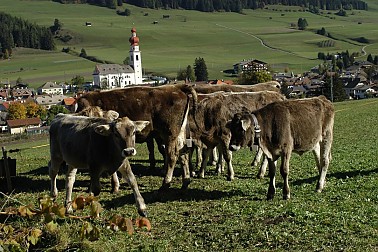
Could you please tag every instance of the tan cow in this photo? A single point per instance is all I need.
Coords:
(165, 107)
(289, 126)
(97, 144)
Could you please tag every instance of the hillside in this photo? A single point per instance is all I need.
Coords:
(171, 44)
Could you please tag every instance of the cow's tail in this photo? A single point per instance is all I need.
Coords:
(189, 89)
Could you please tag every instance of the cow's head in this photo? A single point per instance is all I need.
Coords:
(96, 111)
(241, 127)
(123, 131)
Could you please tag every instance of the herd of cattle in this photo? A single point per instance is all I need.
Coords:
(184, 118)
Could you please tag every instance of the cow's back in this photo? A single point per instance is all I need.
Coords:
(265, 86)
(300, 122)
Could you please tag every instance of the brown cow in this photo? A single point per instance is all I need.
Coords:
(264, 86)
(165, 107)
(213, 113)
(97, 144)
(289, 126)
(210, 88)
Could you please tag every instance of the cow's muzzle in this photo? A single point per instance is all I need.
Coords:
(128, 152)
(234, 147)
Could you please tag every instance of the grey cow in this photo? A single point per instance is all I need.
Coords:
(288, 126)
(97, 144)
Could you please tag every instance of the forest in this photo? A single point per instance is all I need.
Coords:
(16, 32)
(239, 5)
(226, 5)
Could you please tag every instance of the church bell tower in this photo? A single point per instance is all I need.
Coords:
(135, 56)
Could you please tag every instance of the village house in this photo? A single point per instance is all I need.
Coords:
(19, 126)
(251, 65)
(50, 88)
(49, 100)
(109, 76)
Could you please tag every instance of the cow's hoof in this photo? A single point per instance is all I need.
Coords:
(142, 213)
(286, 197)
(185, 184)
(164, 187)
(114, 191)
(230, 178)
(270, 197)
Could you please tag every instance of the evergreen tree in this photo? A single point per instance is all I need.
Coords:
(370, 58)
(302, 23)
(375, 60)
(200, 70)
(335, 87)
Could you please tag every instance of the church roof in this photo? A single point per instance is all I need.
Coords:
(113, 69)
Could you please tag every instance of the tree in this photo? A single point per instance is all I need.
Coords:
(302, 23)
(53, 111)
(248, 78)
(83, 53)
(126, 61)
(370, 58)
(200, 70)
(186, 74)
(77, 80)
(334, 87)
(56, 27)
(35, 110)
(16, 110)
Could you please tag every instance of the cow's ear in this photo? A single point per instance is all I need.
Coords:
(140, 125)
(245, 124)
(112, 115)
(103, 130)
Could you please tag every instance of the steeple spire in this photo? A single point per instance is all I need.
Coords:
(135, 56)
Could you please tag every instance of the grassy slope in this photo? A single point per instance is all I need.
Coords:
(222, 39)
(217, 215)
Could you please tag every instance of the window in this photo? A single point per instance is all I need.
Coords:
(137, 57)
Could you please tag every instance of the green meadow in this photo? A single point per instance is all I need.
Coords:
(222, 39)
(217, 215)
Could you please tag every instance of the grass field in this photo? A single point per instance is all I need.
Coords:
(217, 215)
(222, 39)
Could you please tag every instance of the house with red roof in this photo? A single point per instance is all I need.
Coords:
(18, 126)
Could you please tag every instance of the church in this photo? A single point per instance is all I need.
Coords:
(109, 76)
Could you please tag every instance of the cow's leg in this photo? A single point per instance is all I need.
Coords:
(198, 148)
(325, 158)
(220, 161)
(257, 158)
(95, 182)
(161, 147)
(170, 162)
(54, 166)
(191, 168)
(213, 159)
(184, 161)
(128, 175)
(227, 154)
(285, 160)
(272, 182)
(70, 180)
(263, 167)
(205, 157)
(115, 183)
(151, 152)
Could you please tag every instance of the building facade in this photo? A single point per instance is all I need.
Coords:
(109, 76)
